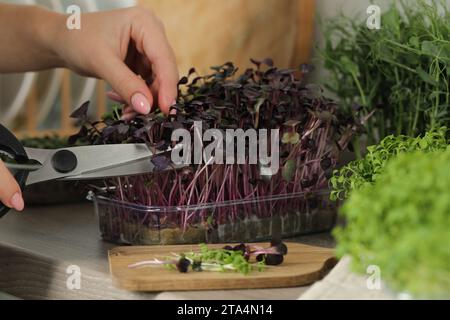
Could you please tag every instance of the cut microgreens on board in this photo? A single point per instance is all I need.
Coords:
(240, 258)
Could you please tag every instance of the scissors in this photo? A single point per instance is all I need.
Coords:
(77, 163)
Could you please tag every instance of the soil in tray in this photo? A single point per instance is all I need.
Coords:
(251, 229)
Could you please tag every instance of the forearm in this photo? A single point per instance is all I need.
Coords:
(27, 35)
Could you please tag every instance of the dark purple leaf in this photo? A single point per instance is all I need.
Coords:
(268, 62)
(252, 93)
(81, 112)
(325, 163)
(307, 183)
(73, 139)
(174, 125)
(161, 145)
(123, 128)
(183, 81)
(255, 62)
(161, 162)
(108, 131)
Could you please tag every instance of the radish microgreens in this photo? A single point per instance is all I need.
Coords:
(313, 133)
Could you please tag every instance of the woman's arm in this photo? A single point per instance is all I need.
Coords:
(26, 33)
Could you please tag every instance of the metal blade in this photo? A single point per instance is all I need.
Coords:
(131, 169)
(91, 159)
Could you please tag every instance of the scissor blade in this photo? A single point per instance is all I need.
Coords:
(93, 159)
(131, 169)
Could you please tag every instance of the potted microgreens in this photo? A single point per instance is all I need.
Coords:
(226, 202)
(400, 72)
(405, 233)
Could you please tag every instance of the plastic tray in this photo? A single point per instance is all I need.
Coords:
(252, 220)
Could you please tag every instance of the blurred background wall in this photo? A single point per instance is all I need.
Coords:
(209, 32)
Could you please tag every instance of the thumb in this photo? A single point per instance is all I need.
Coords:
(128, 85)
(10, 193)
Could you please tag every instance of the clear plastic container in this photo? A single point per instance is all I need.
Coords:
(252, 220)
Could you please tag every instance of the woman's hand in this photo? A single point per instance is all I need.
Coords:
(129, 49)
(10, 193)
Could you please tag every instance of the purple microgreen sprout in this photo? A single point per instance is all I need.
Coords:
(183, 264)
(274, 255)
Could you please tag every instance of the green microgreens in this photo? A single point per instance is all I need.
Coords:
(400, 71)
(401, 224)
(365, 171)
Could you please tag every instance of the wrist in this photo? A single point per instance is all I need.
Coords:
(49, 34)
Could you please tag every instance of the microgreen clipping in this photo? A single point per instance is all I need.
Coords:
(241, 258)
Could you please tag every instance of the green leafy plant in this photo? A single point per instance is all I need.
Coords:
(401, 223)
(401, 71)
(366, 170)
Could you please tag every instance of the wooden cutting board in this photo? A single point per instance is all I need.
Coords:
(302, 266)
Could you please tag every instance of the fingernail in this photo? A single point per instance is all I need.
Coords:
(140, 103)
(17, 202)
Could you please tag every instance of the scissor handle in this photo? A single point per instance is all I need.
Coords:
(13, 147)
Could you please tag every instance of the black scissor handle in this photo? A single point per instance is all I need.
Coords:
(13, 147)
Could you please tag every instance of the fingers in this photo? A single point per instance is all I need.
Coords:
(149, 54)
(10, 193)
(128, 114)
(114, 96)
(159, 52)
(130, 88)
